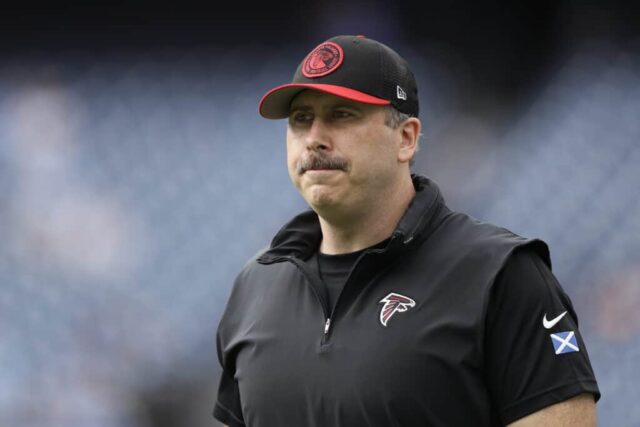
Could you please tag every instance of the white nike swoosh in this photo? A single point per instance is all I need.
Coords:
(548, 324)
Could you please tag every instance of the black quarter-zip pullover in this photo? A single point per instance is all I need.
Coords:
(444, 325)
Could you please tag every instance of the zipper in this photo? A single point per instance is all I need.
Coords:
(315, 286)
(327, 328)
(327, 325)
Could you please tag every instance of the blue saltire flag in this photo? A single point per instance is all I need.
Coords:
(564, 342)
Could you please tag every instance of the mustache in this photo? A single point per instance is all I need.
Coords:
(321, 161)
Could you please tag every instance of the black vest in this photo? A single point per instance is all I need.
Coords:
(404, 345)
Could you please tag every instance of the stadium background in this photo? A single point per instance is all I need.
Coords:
(136, 178)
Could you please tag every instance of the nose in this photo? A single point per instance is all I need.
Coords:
(318, 136)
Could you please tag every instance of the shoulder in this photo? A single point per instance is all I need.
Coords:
(468, 237)
(252, 262)
(251, 270)
(260, 276)
(526, 277)
(477, 231)
(245, 295)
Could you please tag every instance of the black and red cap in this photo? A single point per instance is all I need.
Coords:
(352, 67)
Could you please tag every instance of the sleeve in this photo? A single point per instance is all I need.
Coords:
(227, 409)
(535, 354)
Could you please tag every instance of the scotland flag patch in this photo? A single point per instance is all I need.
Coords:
(564, 342)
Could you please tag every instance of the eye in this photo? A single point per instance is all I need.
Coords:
(341, 114)
(300, 117)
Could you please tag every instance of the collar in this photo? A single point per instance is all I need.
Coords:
(301, 236)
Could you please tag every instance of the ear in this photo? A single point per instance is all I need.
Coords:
(409, 133)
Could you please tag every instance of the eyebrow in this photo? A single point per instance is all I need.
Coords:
(300, 108)
(305, 107)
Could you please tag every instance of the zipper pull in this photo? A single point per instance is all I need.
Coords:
(327, 325)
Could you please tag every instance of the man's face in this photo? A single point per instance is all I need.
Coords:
(341, 155)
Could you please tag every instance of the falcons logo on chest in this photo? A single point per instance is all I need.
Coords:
(394, 303)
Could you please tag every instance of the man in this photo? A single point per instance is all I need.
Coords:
(379, 306)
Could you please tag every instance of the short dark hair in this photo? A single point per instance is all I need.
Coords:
(394, 119)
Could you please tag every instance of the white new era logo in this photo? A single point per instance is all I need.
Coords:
(401, 93)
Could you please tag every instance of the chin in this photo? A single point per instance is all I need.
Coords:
(321, 198)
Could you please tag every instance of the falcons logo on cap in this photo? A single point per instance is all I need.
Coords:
(394, 303)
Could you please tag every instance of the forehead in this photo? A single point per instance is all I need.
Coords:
(313, 99)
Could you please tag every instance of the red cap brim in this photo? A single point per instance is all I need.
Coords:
(275, 104)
